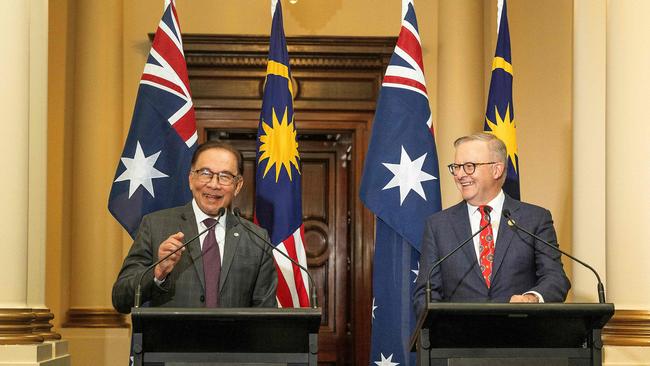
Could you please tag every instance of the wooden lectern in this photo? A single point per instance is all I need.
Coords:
(486, 334)
(200, 336)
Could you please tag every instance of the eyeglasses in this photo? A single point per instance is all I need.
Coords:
(469, 168)
(205, 176)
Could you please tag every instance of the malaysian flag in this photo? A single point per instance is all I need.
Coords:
(400, 186)
(278, 194)
(500, 111)
(152, 173)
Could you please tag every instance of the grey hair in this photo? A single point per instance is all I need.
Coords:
(496, 146)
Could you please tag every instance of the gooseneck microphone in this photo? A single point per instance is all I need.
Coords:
(312, 292)
(138, 291)
(513, 223)
(437, 264)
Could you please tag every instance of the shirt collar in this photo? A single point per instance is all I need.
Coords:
(200, 215)
(496, 204)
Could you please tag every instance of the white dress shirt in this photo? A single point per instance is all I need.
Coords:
(220, 229)
(475, 220)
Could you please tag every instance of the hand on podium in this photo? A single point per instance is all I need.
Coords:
(524, 298)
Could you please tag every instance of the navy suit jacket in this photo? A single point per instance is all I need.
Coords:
(521, 263)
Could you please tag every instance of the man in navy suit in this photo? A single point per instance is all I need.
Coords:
(512, 268)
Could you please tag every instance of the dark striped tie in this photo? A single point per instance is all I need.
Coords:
(211, 265)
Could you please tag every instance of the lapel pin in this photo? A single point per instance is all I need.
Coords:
(235, 234)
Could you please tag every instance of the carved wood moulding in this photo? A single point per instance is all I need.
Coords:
(95, 318)
(628, 328)
(327, 73)
(42, 325)
(17, 327)
(304, 52)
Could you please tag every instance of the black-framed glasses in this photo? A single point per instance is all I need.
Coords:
(469, 168)
(205, 176)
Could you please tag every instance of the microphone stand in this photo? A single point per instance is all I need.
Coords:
(312, 292)
(601, 289)
(439, 262)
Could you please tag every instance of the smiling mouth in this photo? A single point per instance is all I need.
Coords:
(466, 184)
(212, 197)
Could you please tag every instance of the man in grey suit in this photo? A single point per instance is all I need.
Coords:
(512, 268)
(226, 267)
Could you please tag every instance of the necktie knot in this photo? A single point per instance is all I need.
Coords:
(209, 222)
(485, 211)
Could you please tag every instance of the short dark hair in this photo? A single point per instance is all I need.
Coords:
(220, 145)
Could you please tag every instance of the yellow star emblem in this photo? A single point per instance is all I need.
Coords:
(279, 145)
(506, 130)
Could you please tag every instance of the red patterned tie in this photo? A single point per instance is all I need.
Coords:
(487, 246)
(211, 266)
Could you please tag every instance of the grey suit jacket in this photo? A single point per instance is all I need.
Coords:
(248, 275)
(521, 263)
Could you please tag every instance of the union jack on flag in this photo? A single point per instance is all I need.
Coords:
(278, 193)
(152, 173)
(400, 186)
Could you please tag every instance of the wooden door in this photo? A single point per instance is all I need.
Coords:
(326, 216)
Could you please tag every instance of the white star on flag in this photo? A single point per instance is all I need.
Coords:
(417, 272)
(140, 171)
(386, 361)
(408, 176)
(373, 307)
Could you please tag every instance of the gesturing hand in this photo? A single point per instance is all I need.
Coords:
(169, 245)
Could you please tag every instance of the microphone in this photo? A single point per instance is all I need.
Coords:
(312, 292)
(512, 223)
(138, 291)
(487, 210)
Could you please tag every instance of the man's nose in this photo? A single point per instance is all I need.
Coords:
(214, 182)
(460, 173)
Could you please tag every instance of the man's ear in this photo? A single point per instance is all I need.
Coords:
(239, 185)
(499, 170)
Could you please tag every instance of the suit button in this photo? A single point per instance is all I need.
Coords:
(202, 298)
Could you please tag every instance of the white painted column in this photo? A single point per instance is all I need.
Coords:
(14, 153)
(628, 174)
(26, 338)
(628, 153)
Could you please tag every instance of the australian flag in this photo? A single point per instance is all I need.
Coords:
(400, 186)
(500, 112)
(155, 163)
(278, 191)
